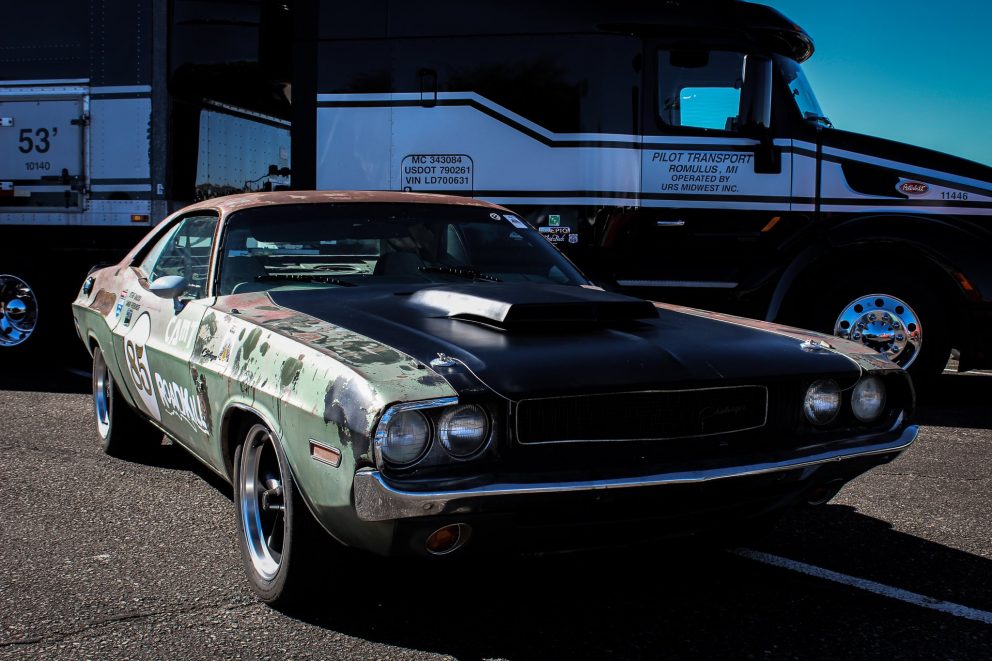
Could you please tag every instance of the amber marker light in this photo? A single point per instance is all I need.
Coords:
(447, 539)
(969, 289)
(139, 217)
(771, 224)
(324, 454)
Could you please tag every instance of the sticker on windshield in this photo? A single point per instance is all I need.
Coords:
(137, 363)
(516, 222)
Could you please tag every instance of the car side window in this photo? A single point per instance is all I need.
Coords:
(184, 251)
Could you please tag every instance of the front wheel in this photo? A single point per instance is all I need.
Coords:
(903, 320)
(272, 520)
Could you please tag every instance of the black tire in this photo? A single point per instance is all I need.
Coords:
(276, 532)
(121, 432)
(912, 297)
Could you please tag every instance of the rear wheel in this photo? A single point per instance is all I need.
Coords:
(275, 528)
(120, 431)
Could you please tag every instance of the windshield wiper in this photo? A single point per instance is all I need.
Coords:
(461, 272)
(304, 277)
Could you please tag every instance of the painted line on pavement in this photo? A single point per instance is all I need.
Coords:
(870, 586)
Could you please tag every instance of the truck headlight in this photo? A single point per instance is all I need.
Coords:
(822, 402)
(868, 399)
(463, 430)
(404, 438)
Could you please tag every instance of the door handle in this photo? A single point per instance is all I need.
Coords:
(670, 223)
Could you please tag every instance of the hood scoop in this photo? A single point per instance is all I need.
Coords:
(533, 307)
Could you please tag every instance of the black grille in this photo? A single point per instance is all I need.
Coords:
(642, 415)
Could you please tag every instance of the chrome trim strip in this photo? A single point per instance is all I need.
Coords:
(690, 284)
(516, 416)
(376, 500)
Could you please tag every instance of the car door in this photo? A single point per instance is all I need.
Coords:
(155, 336)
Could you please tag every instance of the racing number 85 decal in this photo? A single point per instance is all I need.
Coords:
(137, 363)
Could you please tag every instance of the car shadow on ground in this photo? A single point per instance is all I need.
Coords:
(659, 602)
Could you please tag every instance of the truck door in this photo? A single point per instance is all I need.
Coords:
(42, 145)
(155, 336)
(714, 179)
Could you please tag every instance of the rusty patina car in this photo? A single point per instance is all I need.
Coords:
(417, 374)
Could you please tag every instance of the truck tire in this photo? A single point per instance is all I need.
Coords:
(903, 319)
(36, 326)
(18, 313)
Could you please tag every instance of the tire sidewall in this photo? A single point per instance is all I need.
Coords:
(275, 589)
(107, 440)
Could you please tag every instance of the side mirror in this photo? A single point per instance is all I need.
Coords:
(168, 286)
(756, 114)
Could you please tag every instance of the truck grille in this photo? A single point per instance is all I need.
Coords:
(641, 416)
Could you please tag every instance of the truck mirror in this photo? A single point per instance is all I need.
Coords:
(756, 113)
(756, 96)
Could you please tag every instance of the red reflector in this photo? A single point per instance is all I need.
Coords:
(139, 217)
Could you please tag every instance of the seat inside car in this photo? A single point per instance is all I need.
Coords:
(400, 263)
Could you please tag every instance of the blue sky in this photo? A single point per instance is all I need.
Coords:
(914, 71)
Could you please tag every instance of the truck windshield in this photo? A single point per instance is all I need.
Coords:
(802, 93)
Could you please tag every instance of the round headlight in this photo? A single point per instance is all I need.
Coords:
(868, 399)
(406, 436)
(822, 402)
(463, 430)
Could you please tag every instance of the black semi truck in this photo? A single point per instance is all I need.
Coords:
(674, 149)
(114, 113)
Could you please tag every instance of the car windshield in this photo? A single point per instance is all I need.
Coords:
(802, 93)
(351, 244)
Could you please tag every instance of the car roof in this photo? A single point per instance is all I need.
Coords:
(231, 203)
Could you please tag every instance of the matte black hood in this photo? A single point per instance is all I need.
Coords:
(589, 340)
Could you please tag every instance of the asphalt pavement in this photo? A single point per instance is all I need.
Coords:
(102, 558)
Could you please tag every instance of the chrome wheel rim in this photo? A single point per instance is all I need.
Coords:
(18, 311)
(103, 392)
(884, 323)
(263, 510)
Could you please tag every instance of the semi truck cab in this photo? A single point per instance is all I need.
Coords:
(675, 151)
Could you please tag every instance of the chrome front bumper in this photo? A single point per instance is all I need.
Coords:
(376, 500)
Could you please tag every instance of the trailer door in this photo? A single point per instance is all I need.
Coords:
(712, 183)
(42, 146)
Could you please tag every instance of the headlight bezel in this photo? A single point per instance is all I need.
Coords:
(434, 455)
(443, 436)
(382, 437)
(882, 405)
(833, 386)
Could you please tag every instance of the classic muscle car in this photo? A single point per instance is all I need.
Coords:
(419, 374)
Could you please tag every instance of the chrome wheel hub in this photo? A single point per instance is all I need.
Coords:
(884, 323)
(18, 311)
(262, 506)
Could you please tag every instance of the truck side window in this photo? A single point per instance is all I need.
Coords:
(700, 89)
